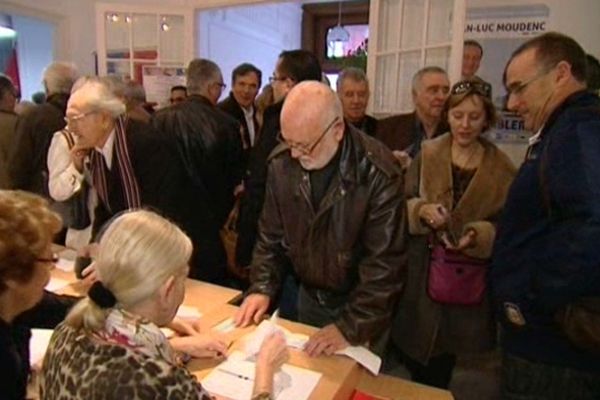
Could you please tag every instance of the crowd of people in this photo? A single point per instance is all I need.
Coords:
(412, 234)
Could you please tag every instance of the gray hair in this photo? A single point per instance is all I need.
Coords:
(59, 77)
(139, 251)
(201, 73)
(432, 69)
(356, 74)
(100, 95)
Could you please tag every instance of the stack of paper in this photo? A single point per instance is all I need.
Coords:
(38, 344)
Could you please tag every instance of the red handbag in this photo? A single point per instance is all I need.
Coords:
(455, 278)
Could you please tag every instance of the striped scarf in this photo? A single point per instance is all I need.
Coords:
(121, 157)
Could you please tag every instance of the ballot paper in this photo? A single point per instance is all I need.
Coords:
(253, 341)
(234, 379)
(56, 284)
(65, 265)
(187, 312)
(38, 344)
(227, 325)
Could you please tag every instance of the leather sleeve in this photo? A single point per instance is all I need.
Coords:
(380, 271)
(268, 258)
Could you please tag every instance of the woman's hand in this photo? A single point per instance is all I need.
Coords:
(200, 346)
(185, 327)
(469, 239)
(272, 355)
(435, 215)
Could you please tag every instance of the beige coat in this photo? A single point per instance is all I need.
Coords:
(423, 328)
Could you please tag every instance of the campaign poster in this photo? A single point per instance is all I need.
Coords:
(158, 82)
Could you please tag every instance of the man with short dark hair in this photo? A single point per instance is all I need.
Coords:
(546, 259)
(472, 55)
(178, 94)
(334, 210)
(293, 67)
(404, 133)
(245, 83)
(209, 145)
(353, 91)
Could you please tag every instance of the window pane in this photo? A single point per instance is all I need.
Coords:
(410, 63)
(120, 68)
(440, 11)
(412, 23)
(359, 36)
(145, 40)
(385, 83)
(389, 29)
(438, 57)
(171, 38)
(117, 34)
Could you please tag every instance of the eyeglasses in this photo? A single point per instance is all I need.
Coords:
(52, 260)
(307, 149)
(482, 88)
(274, 78)
(518, 88)
(73, 120)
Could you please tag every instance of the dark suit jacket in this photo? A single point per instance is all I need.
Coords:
(208, 150)
(28, 168)
(255, 182)
(398, 132)
(232, 107)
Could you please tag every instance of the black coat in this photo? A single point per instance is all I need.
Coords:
(28, 168)
(208, 149)
(14, 341)
(232, 108)
(254, 184)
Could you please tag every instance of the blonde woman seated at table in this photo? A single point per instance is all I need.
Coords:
(110, 345)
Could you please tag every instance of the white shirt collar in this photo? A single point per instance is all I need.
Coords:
(107, 149)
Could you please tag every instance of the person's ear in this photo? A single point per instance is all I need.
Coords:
(563, 72)
(165, 291)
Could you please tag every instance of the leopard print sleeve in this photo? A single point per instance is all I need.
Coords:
(77, 367)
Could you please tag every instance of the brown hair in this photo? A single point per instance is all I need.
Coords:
(453, 100)
(27, 226)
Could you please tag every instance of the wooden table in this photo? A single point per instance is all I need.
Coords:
(202, 295)
(340, 373)
(386, 386)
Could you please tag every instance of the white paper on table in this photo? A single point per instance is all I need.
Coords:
(65, 265)
(56, 284)
(38, 344)
(363, 356)
(234, 378)
(225, 326)
(187, 312)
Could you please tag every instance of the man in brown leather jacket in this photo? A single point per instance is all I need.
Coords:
(335, 208)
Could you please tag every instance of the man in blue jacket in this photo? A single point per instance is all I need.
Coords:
(547, 251)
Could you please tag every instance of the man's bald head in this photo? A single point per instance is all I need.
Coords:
(312, 123)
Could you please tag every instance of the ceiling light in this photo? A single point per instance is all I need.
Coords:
(338, 33)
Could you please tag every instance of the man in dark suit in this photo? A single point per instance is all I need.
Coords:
(404, 133)
(209, 148)
(245, 82)
(353, 91)
(28, 165)
(293, 67)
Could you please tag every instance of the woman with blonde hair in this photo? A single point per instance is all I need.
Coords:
(110, 345)
(27, 227)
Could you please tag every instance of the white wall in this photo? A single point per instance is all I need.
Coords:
(34, 47)
(254, 34)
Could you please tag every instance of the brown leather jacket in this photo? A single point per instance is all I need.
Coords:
(353, 246)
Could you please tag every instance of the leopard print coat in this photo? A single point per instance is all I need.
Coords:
(77, 367)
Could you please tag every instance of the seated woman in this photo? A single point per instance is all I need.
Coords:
(110, 345)
(455, 189)
(27, 227)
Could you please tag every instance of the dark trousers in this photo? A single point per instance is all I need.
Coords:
(526, 380)
(315, 313)
(437, 372)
